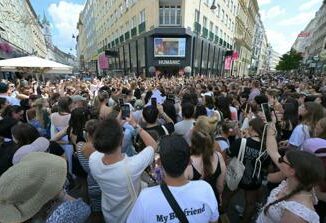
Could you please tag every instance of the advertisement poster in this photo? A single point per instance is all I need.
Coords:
(228, 62)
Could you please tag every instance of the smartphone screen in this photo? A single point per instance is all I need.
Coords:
(267, 112)
(125, 111)
(154, 102)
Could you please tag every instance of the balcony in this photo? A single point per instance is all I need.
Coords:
(205, 32)
(127, 35)
(197, 28)
(142, 27)
(133, 31)
(121, 38)
(211, 36)
(224, 43)
(221, 41)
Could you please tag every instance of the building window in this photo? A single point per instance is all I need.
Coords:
(222, 15)
(142, 16)
(205, 22)
(218, 11)
(196, 16)
(211, 26)
(133, 22)
(216, 30)
(226, 20)
(170, 15)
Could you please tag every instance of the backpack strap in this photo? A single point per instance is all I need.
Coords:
(173, 203)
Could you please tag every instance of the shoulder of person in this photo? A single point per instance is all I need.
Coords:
(95, 157)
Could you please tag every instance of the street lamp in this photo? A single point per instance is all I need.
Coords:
(213, 6)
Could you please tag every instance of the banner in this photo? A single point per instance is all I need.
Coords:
(227, 63)
(103, 61)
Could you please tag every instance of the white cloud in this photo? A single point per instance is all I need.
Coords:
(264, 2)
(300, 19)
(309, 4)
(280, 42)
(271, 13)
(65, 17)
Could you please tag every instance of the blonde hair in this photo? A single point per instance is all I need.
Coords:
(207, 124)
(38, 105)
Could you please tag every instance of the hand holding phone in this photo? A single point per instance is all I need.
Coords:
(125, 111)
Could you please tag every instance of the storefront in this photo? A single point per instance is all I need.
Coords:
(168, 51)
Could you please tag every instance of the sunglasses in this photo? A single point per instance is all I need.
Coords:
(281, 160)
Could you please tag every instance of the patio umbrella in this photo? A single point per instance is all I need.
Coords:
(33, 64)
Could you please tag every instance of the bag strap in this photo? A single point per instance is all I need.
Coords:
(242, 149)
(165, 130)
(261, 154)
(173, 203)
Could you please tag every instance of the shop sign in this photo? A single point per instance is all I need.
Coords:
(169, 62)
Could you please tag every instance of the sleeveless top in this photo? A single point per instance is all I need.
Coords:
(276, 211)
(210, 179)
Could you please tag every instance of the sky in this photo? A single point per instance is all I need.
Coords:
(283, 20)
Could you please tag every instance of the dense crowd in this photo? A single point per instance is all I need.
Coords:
(179, 149)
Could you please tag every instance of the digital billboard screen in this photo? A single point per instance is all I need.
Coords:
(169, 47)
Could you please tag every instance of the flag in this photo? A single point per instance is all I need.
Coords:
(235, 55)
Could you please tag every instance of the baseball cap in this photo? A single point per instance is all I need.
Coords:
(174, 155)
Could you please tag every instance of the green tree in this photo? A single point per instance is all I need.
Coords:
(289, 61)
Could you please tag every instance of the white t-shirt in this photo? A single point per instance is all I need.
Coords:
(183, 127)
(299, 135)
(113, 180)
(196, 199)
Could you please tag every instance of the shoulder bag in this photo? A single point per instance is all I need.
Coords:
(173, 203)
(235, 169)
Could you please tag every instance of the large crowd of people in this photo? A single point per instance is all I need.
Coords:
(178, 149)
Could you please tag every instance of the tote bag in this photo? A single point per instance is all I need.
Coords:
(235, 169)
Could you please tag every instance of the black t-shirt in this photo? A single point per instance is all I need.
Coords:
(251, 154)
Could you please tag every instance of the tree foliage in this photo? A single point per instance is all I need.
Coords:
(289, 61)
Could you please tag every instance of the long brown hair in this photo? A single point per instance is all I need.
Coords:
(309, 171)
(202, 143)
(315, 112)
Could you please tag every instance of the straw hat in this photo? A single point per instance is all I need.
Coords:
(30, 184)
